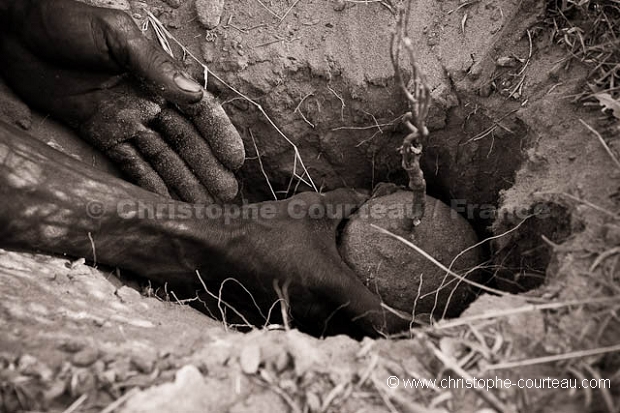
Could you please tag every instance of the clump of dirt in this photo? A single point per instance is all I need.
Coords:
(405, 279)
(508, 151)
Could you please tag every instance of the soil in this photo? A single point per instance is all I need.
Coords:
(507, 150)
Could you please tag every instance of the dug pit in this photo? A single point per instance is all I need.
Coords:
(517, 167)
(322, 115)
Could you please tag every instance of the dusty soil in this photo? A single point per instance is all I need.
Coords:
(507, 139)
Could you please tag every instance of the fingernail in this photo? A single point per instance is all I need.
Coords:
(186, 84)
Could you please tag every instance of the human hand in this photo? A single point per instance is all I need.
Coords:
(273, 250)
(93, 69)
(288, 251)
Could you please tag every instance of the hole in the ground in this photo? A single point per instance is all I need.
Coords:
(523, 256)
(467, 165)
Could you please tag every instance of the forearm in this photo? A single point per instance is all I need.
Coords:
(54, 203)
(5, 6)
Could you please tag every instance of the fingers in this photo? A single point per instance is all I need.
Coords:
(344, 289)
(100, 39)
(185, 140)
(147, 60)
(215, 126)
(137, 169)
(171, 168)
(366, 311)
(143, 58)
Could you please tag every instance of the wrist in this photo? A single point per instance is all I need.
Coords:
(51, 202)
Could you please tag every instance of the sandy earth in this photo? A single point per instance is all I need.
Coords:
(75, 334)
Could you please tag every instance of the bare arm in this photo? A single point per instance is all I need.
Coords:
(54, 203)
(93, 69)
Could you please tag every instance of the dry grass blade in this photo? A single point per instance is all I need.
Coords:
(494, 314)
(451, 364)
(607, 397)
(460, 254)
(590, 30)
(220, 302)
(76, 404)
(120, 401)
(288, 11)
(298, 109)
(283, 299)
(582, 201)
(600, 138)
(262, 168)
(556, 357)
(273, 13)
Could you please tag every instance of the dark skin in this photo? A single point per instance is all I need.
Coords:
(93, 69)
(59, 64)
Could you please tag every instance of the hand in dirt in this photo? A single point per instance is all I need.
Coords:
(287, 245)
(294, 253)
(93, 69)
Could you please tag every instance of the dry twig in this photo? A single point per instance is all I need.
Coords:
(418, 98)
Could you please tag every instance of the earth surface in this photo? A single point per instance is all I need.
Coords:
(507, 137)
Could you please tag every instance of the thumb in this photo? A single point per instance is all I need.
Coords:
(143, 58)
(364, 308)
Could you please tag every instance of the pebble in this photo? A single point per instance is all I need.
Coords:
(250, 359)
(340, 5)
(85, 357)
(173, 3)
(209, 12)
(82, 382)
(143, 364)
(612, 234)
(71, 346)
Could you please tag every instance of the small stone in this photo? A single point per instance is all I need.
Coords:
(54, 390)
(475, 71)
(71, 346)
(283, 361)
(31, 366)
(209, 12)
(340, 5)
(82, 381)
(143, 364)
(26, 362)
(485, 90)
(85, 357)
(173, 3)
(250, 359)
(108, 376)
(506, 61)
(612, 234)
